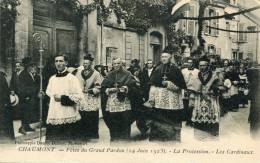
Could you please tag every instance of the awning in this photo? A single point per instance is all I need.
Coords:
(180, 7)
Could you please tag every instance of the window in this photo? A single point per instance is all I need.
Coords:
(211, 49)
(206, 28)
(242, 37)
(217, 25)
(191, 28)
(235, 55)
(218, 52)
(191, 23)
(228, 28)
(183, 23)
(213, 23)
(240, 55)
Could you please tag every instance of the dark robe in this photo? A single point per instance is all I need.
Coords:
(206, 114)
(119, 123)
(6, 121)
(225, 99)
(28, 89)
(166, 123)
(14, 87)
(233, 76)
(146, 83)
(254, 97)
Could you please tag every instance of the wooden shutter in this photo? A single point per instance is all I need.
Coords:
(217, 24)
(206, 22)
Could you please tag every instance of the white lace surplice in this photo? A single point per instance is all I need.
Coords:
(90, 103)
(68, 86)
(165, 98)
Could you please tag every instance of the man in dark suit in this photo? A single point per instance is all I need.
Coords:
(145, 80)
(142, 122)
(28, 89)
(6, 121)
(14, 86)
(15, 75)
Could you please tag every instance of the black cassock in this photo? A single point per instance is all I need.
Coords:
(254, 96)
(120, 118)
(166, 122)
(6, 121)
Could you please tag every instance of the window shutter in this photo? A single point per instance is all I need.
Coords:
(228, 28)
(191, 27)
(240, 35)
(206, 22)
(219, 51)
(217, 24)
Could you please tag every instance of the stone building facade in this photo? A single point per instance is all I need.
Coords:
(59, 34)
(227, 45)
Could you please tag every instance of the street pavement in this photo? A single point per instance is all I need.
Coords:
(233, 126)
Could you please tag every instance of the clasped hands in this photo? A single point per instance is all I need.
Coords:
(122, 89)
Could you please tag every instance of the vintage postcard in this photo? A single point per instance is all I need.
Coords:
(129, 81)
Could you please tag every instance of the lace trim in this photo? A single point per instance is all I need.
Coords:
(77, 99)
(164, 98)
(61, 121)
(90, 103)
(172, 86)
(205, 121)
(114, 105)
(88, 109)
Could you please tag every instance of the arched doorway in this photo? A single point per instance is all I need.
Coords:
(55, 24)
(156, 45)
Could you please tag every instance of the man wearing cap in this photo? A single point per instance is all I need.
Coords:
(90, 82)
(206, 112)
(28, 89)
(116, 91)
(65, 96)
(165, 96)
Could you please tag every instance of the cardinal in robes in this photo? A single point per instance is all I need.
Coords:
(206, 112)
(65, 96)
(116, 90)
(90, 82)
(165, 97)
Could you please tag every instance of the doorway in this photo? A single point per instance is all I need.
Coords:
(156, 50)
(55, 24)
(156, 46)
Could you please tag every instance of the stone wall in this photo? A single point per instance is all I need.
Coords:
(23, 28)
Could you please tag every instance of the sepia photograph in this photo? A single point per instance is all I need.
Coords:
(129, 81)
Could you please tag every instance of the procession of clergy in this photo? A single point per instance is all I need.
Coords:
(77, 96)
(158, 99)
